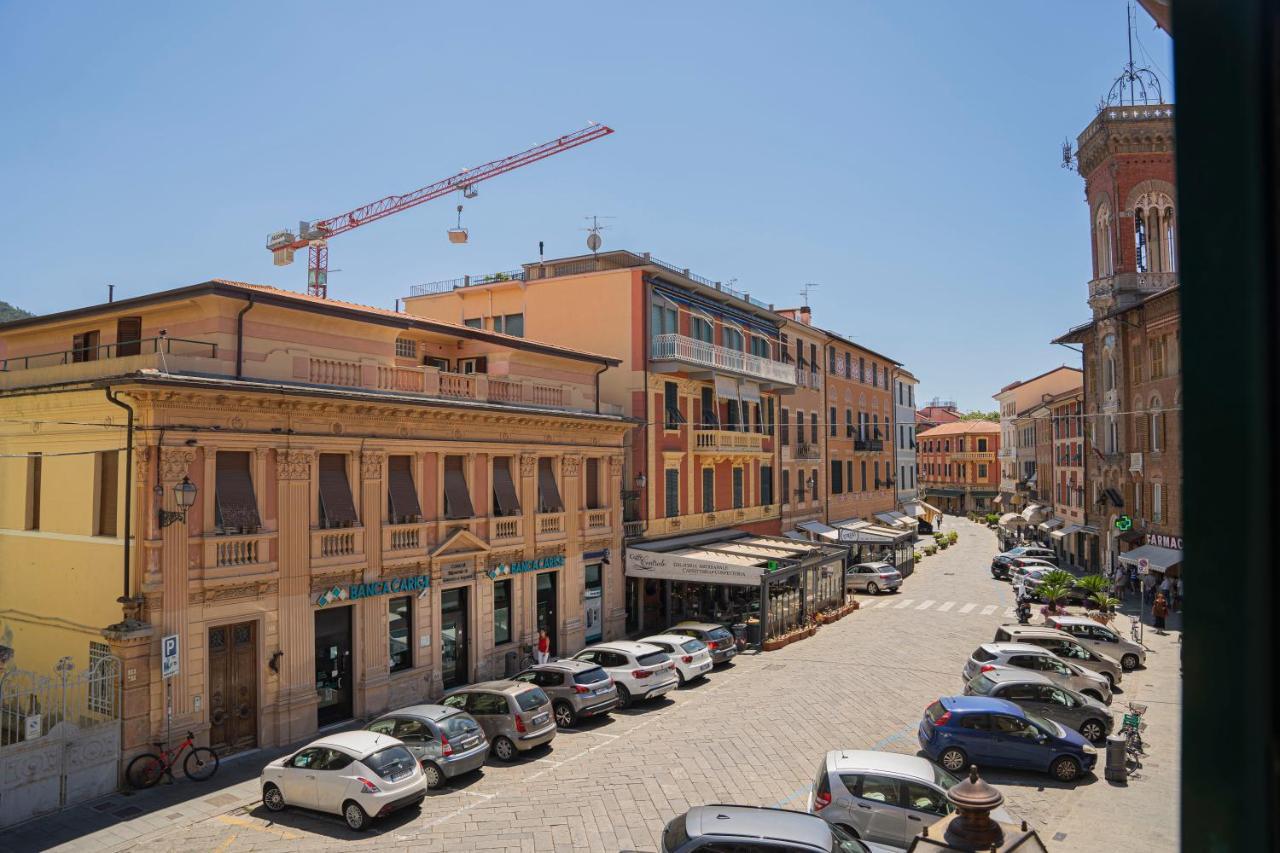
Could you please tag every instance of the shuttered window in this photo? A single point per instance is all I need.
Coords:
(108, 491)
(671, 492)
(402, 497)
(837, 477)
(235, 506)
(336, 507)
(786, 486)
(548, 491)
(506, 500)
(1142, 438)
(708, 490)
(766, 485)
(813, 429)
(593, 484)
(737, 488)
(785, 423)
(84, 346)
(129, 336)
(457, 498)
(35, 470)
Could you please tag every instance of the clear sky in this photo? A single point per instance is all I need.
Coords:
(904, 156)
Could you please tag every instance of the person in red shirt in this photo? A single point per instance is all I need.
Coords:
(544, 647)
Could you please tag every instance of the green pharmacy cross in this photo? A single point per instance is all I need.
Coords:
(1124, 522)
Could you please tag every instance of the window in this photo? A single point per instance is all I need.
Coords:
(732, 339)
(982, 471)
(474, 323)
(880, 789)
(837, 477)
(479, 364)
(235, 505)
(864, 475)
(982, 445)
(671, 496)
(501, 612)
(708, 490)
(35, 471)
(848, 475)
(701, 330)
(102, 684)
(336, 506)
(875, 373)
(731, 415)
(831, 426)
(760, 347)
(1157, 502)
(510, 324)
(506, 500)
(813, 428)
(831, 359)
(671, 406)
(922, 798)
(400, 632)
(108, 491)
(766, 485)
(768, 416)
(785, 423)
(799, 486)
(664, 320)
(876, 472)
(84, 346)
(128, 336)
(593, 483)
(548, 490)
(813, 357)
(406, 348)
(457, 496)
(786, 486)
(862, 369)
(737, 488)
(848, 423)
(402, 497)
(710, 420)
(800, 427)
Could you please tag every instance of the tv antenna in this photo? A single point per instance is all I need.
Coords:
(594, 240)
(804, 291)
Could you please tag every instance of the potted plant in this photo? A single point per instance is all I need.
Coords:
(952, 536)
(1054, 589)
(1095, 585)
(917, 556)
(930, 550)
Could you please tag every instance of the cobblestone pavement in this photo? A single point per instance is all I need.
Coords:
(752, 733)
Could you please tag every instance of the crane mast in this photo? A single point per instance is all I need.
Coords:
(314, 235)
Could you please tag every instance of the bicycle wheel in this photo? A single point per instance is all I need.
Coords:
(145, 770)
(201, 763)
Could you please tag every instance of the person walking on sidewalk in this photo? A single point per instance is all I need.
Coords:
(1160, 610)
(543, 653)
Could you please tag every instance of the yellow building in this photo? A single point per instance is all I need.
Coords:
(383, 505)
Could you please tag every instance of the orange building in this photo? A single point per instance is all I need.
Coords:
(958, 470)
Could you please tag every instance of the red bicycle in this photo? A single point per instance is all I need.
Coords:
(148, 768)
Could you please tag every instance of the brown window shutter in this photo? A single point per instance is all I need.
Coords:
(36, 467)
(482, 364)
(129, 336)
(457, 499)
(593, 484)
(336, 506)
(236, 506)
(548, 491)
(402, 497)
(77, 348)
(1161, 425)
(1142, 439)
(506, 500)
(108, 491)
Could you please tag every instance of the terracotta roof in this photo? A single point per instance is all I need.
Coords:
(1049, 372)
(962, 427)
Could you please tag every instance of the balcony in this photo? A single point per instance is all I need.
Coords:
(868, 444)
(337, 547)
(973, 456)
(595, 521)
(550, 527)
(707, 520)
(402, 543)
(506, 530)
(702, 355)
(728, 441)
(1135, 463)
(1143, 283)
(808, 379)
(168, 355)
(240, 551)
(1006, 453)
(805, 450)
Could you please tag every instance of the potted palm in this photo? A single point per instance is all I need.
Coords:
(1054, 589)
(1100, 598)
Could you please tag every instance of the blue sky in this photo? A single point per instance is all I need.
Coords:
(902, 155)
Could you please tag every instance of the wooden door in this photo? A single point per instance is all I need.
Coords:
(233, 687)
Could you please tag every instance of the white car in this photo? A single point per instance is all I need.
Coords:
(690, 655)
(359, 775)
(639, 670)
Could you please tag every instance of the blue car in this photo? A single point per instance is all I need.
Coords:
(961, 730)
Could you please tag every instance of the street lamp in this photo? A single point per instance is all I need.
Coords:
(184, 494)
(641, 480)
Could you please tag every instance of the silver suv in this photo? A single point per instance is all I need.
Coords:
(515, 715)
(989, 656)
(1035, 692)
(718, 829)
(577, 689)
(446, 741)
(1101, 638)
(1064, 646)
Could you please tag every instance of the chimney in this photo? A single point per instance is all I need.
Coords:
(806, 316)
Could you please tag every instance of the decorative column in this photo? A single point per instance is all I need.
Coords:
(131, 642)
(524, 589)
(296, 715)
(614, 577)
(374, 677)
(572, 586)
(175, 463)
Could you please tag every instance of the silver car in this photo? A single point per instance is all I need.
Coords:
(446, 741)
(1101, 638)
(872, 577)
(1064, 646)
(989, 656)
(883, 797)
(515, 715)
(577, 689)
(1035, 692)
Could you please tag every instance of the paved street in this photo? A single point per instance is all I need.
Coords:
(753, 733)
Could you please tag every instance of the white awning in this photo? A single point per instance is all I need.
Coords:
(819, 529)
(1050, 524)
(896, 519)
(920, 509)
(694, 566)
(1034, 513)
(1011, 519)
(1151, 558)
(749, 392)
(726, 387)
(1066, 531)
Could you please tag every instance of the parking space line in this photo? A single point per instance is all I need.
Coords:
(926, 605)
(269, 829)
(989, 609)
(943, 608)
(907, 602)
(967, 608)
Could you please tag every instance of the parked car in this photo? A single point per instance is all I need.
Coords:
(1101, 638)
(872, 577)
(577, 689)
(515, 715)
(883, 797)
(446, 741)
(1037, 551)
(719, 639)
(1035, 692)
(747, 829)
(957, 731)
(1002, 563)
(690, 655)
(1064, 646)
(989, 656)
(359, 775)
(640, 671)
(1019, 566)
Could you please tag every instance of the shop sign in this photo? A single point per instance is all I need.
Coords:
(463, 571)
(518, 567)
(1165, 540)
(651, 564)
(392, 586)
(1123, 523)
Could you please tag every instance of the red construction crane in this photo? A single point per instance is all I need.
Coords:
(315, 235)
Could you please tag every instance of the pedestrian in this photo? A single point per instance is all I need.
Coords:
(544, 647)
(1177, 595)
(1159, 610)
(1133, 578)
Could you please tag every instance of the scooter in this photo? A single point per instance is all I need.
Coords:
(1024, 611)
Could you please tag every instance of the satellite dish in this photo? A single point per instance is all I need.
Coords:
(594, 241)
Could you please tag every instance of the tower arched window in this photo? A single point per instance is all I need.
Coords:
(1155, 233)
(1102, 240)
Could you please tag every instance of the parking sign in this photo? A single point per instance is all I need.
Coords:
(169, 656)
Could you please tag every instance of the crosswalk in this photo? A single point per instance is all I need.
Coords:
(970, 608)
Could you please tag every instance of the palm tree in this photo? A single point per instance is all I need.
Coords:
(1053, 592)
(1099, 589)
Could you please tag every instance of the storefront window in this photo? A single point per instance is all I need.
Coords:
(400, 632)
(501, 612)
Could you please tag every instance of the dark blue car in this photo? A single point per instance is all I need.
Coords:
(961, 730)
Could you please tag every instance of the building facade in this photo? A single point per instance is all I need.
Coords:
(935, 413)
(1074, 539)
(958, 466)
(335, 509)
(904, 437)
(1017, 451)
(802, 428)
(860, 447)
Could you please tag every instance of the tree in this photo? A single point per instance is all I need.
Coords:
(994, 417)
(8, 312)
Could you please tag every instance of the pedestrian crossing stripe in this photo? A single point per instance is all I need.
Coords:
(943, 608)
(926, 605)
(906, 602)
(968, 607)
(946, 606)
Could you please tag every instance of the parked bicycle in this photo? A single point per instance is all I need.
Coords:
(1131, 728)
(147, 769)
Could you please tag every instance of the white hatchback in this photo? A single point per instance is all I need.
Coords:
(639, 670)
(359, 775)
(690, 655)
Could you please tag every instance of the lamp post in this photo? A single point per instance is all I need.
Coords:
(184, 494)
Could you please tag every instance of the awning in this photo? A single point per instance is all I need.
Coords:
(726, 387)
(817, 528)
(1152, 558)
(1130, 536)
(858, 531)
(998, 502)
(946, 493)
(1050, 524)
(1066, 531)
(893, 518)
(920, 509)
(1034, 513)
(749, 392)
(1088, 530)
(1011, 519)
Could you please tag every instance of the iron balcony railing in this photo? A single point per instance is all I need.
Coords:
(693, 351)
(868, 444)
(449, 284)
(119, 349)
